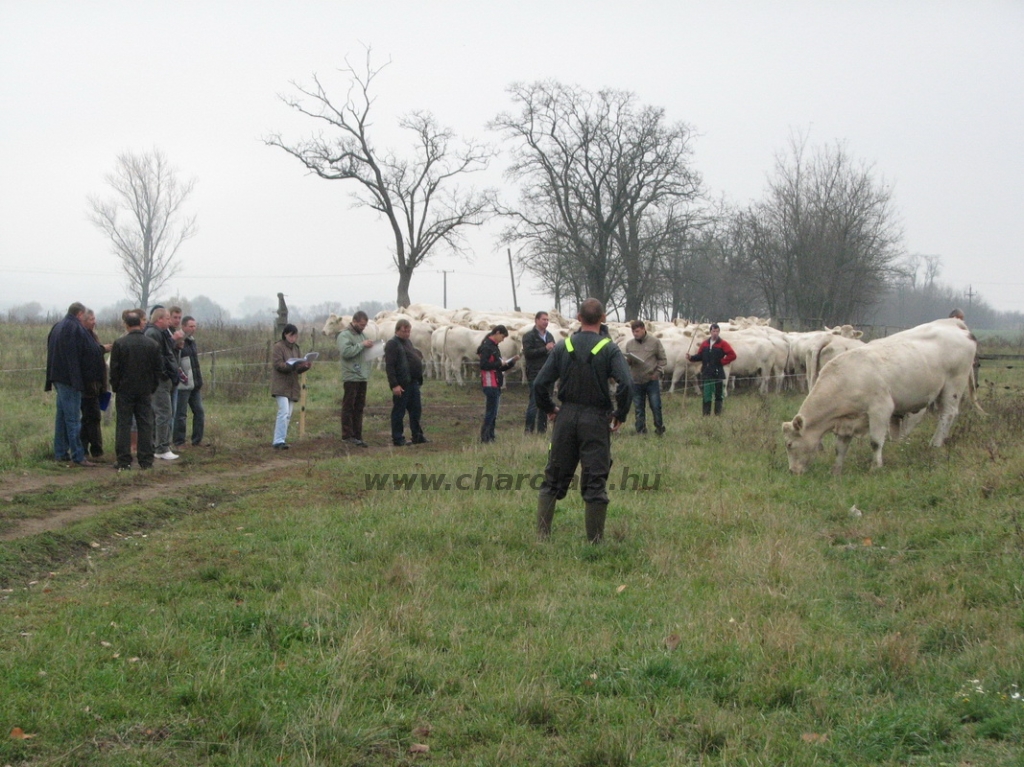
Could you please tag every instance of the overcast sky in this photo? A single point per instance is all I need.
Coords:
(929, 92)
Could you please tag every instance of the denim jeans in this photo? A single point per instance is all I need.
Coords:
(492, 394)
(163, 408)
(284, 417)
(189, 399)
(408, 402)
(535, 418)
(651, 392)
(67, 426)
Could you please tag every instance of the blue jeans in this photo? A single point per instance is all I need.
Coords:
(492, 394)
(409, 402)
(284, 417)
(189, 399)
(651, 392)
(67, 426)
(535, 418)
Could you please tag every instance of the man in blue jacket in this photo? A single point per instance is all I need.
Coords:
(69, 348)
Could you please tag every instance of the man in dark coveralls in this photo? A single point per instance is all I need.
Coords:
(583, 423)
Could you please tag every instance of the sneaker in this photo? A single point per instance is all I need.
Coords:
(168, 456)
(84, 464)
(420, 441)
(361, 443)
(660, 430)
(123, 468)
(281, 446)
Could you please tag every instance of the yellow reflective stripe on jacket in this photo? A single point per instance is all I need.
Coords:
(597, 347)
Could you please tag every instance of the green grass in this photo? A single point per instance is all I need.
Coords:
(735, 615)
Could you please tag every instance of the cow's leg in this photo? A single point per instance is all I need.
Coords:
(948, 405)
(878, 428)
(679, 372)
(842, 445)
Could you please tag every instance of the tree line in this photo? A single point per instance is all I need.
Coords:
(609, 203)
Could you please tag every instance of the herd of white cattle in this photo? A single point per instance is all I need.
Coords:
(449, 338)
(855, 388)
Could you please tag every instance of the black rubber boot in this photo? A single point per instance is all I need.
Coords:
(718, 407)
(707, 408)
(594, 515)
(545, 513)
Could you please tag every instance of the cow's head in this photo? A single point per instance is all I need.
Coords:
(335, 325)
(800, 446)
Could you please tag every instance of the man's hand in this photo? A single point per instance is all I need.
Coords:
(549, 345)
(398, 391)
(367, 343)
(616, 423)
(553, 414)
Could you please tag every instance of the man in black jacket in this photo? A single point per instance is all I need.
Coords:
(537, 345)
(136, 369)
(188, 393)
(69, 348)
(404, 365)
(582, 365)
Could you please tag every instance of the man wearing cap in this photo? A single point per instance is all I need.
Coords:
(583, 423)
(714, 354)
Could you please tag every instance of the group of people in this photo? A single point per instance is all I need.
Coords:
(581, 366)
(154, 374)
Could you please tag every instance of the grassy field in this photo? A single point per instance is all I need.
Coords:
(243, 607)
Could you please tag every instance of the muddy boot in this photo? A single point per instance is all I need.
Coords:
(707, 408)
(594, 515)
(545, 513)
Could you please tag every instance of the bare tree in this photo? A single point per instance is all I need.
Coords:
(825, 241)
(603, 176)
(419, 197)
(144, 220)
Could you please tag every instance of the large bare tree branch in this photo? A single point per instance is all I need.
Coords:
(418, 196)
(148, 193)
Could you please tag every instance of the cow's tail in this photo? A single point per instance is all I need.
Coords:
(972, 390)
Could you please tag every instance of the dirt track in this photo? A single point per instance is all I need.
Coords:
(201, 467)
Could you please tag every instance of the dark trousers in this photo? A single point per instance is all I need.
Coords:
(409, 402)
(91, 434)
(492, 396)
(713, 389)
(647, 392)
(536, 419)
(581, 436)
(139, 406)
(188, 399)
(352, 405)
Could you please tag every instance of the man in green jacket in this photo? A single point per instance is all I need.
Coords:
(355, 372)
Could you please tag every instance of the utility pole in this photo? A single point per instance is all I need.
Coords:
(445, 273)
(970, 298)
(512, 275)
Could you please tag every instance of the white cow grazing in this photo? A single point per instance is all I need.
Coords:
(872, 388)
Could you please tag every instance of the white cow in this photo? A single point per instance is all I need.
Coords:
(874, 388)
(460, 345)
